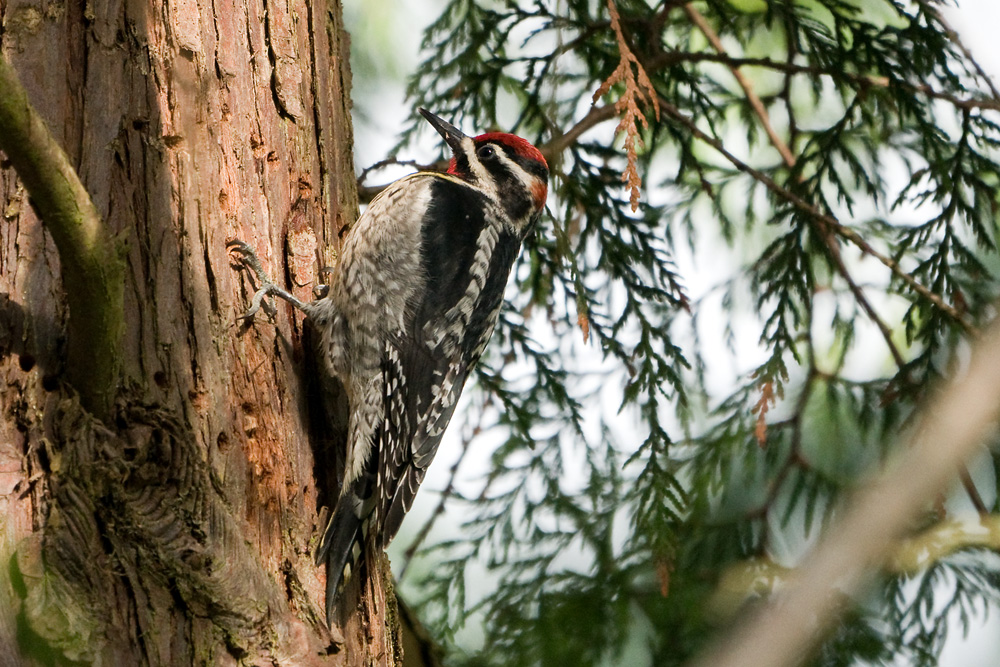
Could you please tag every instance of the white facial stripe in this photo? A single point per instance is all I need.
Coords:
(484, 181)
(527, 180)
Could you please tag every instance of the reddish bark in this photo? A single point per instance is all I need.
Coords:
(178, 532)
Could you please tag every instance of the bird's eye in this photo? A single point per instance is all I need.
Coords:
(486, 152)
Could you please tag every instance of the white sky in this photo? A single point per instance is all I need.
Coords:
(978, 21)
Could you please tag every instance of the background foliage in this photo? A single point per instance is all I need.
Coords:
(740, 295)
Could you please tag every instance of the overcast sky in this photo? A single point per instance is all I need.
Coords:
(978, 22)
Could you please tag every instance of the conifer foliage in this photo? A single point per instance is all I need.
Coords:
(773, 228)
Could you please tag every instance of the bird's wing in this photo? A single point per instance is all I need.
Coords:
(468, 255)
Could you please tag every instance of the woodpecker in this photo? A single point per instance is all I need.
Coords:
(411, 304)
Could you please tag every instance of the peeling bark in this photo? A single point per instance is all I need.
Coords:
(178, 531)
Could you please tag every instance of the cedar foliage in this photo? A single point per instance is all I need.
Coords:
(738, 299)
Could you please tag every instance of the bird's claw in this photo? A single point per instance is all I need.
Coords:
(322, 290)
(267, 286)
(249, 258)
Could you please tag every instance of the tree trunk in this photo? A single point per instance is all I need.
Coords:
(177, 529)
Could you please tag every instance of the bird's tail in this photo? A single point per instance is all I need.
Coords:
(342, 547)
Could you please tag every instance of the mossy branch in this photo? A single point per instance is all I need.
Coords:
(92, 267)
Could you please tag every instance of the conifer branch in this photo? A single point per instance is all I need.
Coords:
(638, 91)
(752, 97)
(808, 208)
(833, 251)
(438, 511)
(957, 41)
(873, 522)
(862, 81)
(900, 85)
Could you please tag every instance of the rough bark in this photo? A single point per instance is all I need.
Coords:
(178, 530)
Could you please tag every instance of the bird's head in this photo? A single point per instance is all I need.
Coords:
(509, 169)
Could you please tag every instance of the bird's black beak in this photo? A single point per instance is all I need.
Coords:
(451, 134)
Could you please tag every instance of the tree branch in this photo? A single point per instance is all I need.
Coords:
(801, 204)
(92, 268)
(673, 57)
(951, 429)
(552, 148)
(752, 97)
(751, 577)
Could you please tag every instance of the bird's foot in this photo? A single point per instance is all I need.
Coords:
(268, 287)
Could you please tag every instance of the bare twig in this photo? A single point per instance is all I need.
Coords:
(558, 144)
(782, 632)
(393, 160)
(972, 491)
(755, 102)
